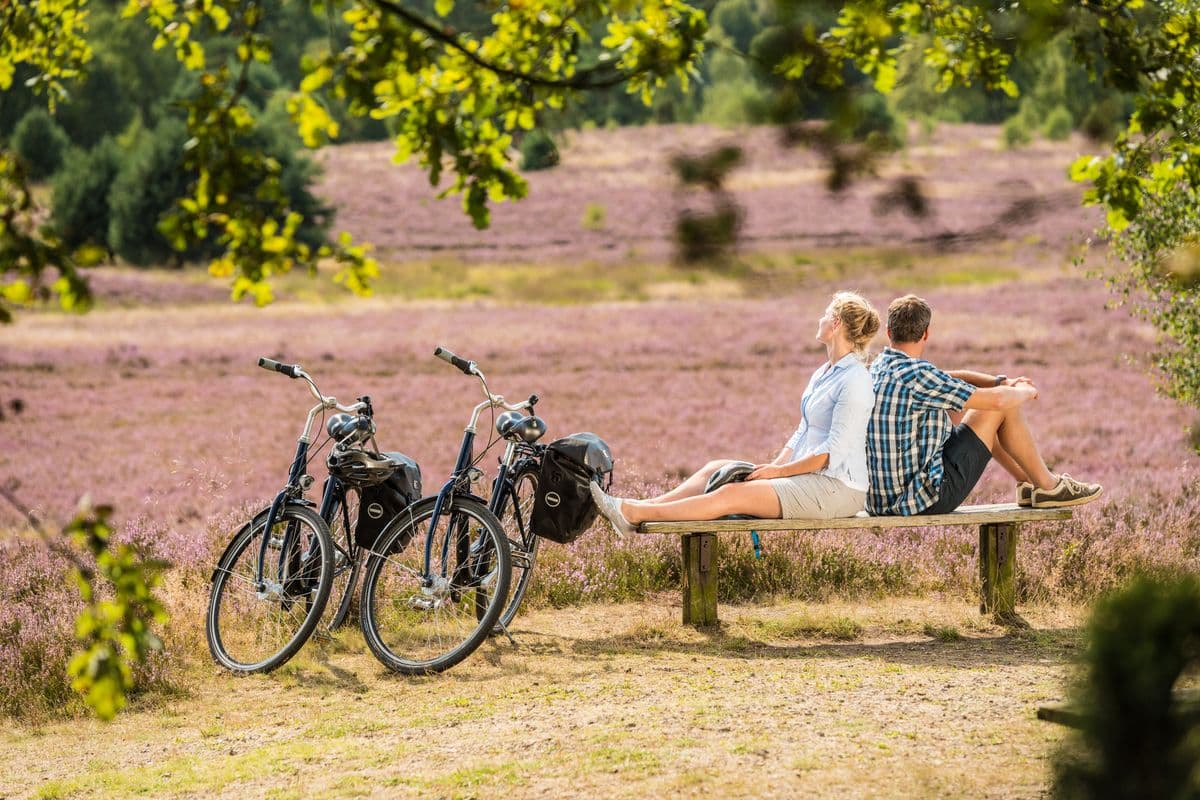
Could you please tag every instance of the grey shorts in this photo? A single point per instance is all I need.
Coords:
(812, 496)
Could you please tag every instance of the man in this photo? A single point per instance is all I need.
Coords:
(919, 461)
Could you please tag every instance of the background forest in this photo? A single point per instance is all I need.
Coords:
(110, 149)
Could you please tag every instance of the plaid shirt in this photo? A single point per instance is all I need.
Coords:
(907, 431)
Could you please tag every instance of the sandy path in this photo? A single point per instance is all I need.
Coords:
(829, 700)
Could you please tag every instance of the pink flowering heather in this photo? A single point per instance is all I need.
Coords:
(160, 410)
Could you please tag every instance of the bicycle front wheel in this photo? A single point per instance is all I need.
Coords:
(256, 626)
(417, 621)
(514, 516)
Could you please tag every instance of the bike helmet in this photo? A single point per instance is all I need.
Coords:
(349, 428)
(516, 427)
(360, 467)
(733, 472)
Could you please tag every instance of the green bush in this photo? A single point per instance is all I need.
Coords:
(872, 115)
(41, 143)
(1137, 737)
(1016, 132)
(148, 183)
(594, 217)
(538, 151)
(1058, 125)
(79, 209)
(152, 179)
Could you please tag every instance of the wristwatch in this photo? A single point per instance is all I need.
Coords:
(1000, 379)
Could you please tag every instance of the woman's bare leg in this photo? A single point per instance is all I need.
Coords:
(693, 486)
(755, 498)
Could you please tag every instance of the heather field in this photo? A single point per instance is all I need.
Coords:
(153, 403)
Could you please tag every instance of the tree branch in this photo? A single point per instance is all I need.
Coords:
(582, 79)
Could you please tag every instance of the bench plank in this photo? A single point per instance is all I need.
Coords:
(965, 515)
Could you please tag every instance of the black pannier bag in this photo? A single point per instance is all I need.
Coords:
(380, 503)
(563, 507)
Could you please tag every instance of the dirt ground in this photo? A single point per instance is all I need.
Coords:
(891, 698)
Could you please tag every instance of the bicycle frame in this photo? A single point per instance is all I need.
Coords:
(461, 468)
(298, 482)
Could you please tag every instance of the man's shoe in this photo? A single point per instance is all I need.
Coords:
(610, 507)
(1067, 492)
(1024, 494)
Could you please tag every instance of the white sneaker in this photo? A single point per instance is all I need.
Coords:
(610, 507)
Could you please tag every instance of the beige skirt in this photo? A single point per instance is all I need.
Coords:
(812, 496)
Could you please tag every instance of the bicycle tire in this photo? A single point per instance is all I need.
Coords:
(415, 629)
(523, 544)
(244, 633)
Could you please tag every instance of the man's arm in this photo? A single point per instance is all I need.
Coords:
(980, 379)
(983, 380)
(1001, 398)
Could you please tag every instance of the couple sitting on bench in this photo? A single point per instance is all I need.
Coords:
(882, 440)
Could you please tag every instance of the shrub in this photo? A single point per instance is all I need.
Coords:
(1016, 132)
(1136, 738)
(1058, 125)
(148, 183)
(79, 209)
(153, 179)
(40, 142)
(594, 217)
(872, 115)
(538, 151)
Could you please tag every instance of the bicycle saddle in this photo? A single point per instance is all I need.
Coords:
(516, 427)
(349, 428)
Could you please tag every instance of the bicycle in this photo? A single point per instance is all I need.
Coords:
(425, 609)
(281, 562)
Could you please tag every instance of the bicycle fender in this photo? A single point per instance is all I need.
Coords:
(257, 518)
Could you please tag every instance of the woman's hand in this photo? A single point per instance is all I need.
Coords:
(764, 472)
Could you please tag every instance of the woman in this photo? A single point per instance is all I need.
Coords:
(822, 471)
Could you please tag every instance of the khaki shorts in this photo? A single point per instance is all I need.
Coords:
(813, 496)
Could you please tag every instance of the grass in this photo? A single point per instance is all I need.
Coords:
(623, 702)
(752, 274)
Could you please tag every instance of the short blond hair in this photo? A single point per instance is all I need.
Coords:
(858, 316)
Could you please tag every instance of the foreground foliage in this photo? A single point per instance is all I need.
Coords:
(1137, 739)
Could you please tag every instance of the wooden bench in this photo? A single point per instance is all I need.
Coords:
(997, 524)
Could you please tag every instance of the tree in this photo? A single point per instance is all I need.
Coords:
(41, 143)
(455, 85)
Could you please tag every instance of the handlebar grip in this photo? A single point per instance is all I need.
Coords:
(467, 367)
(291, 370)
(533, 400)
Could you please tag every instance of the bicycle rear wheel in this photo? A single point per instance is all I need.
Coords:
(416, 624)
(256, 628)
(514, 516)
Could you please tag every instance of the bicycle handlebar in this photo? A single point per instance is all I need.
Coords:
(467, 367)
(291, 370)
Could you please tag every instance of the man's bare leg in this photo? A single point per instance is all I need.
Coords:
(1010, 430)
(998, 452)
(755, 498)
(694, 485)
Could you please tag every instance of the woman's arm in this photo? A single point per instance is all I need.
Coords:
(787, 469)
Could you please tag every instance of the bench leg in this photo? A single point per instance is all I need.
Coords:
(699, 578)
(997, 570)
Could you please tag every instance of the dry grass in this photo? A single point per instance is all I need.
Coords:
(614, 701)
